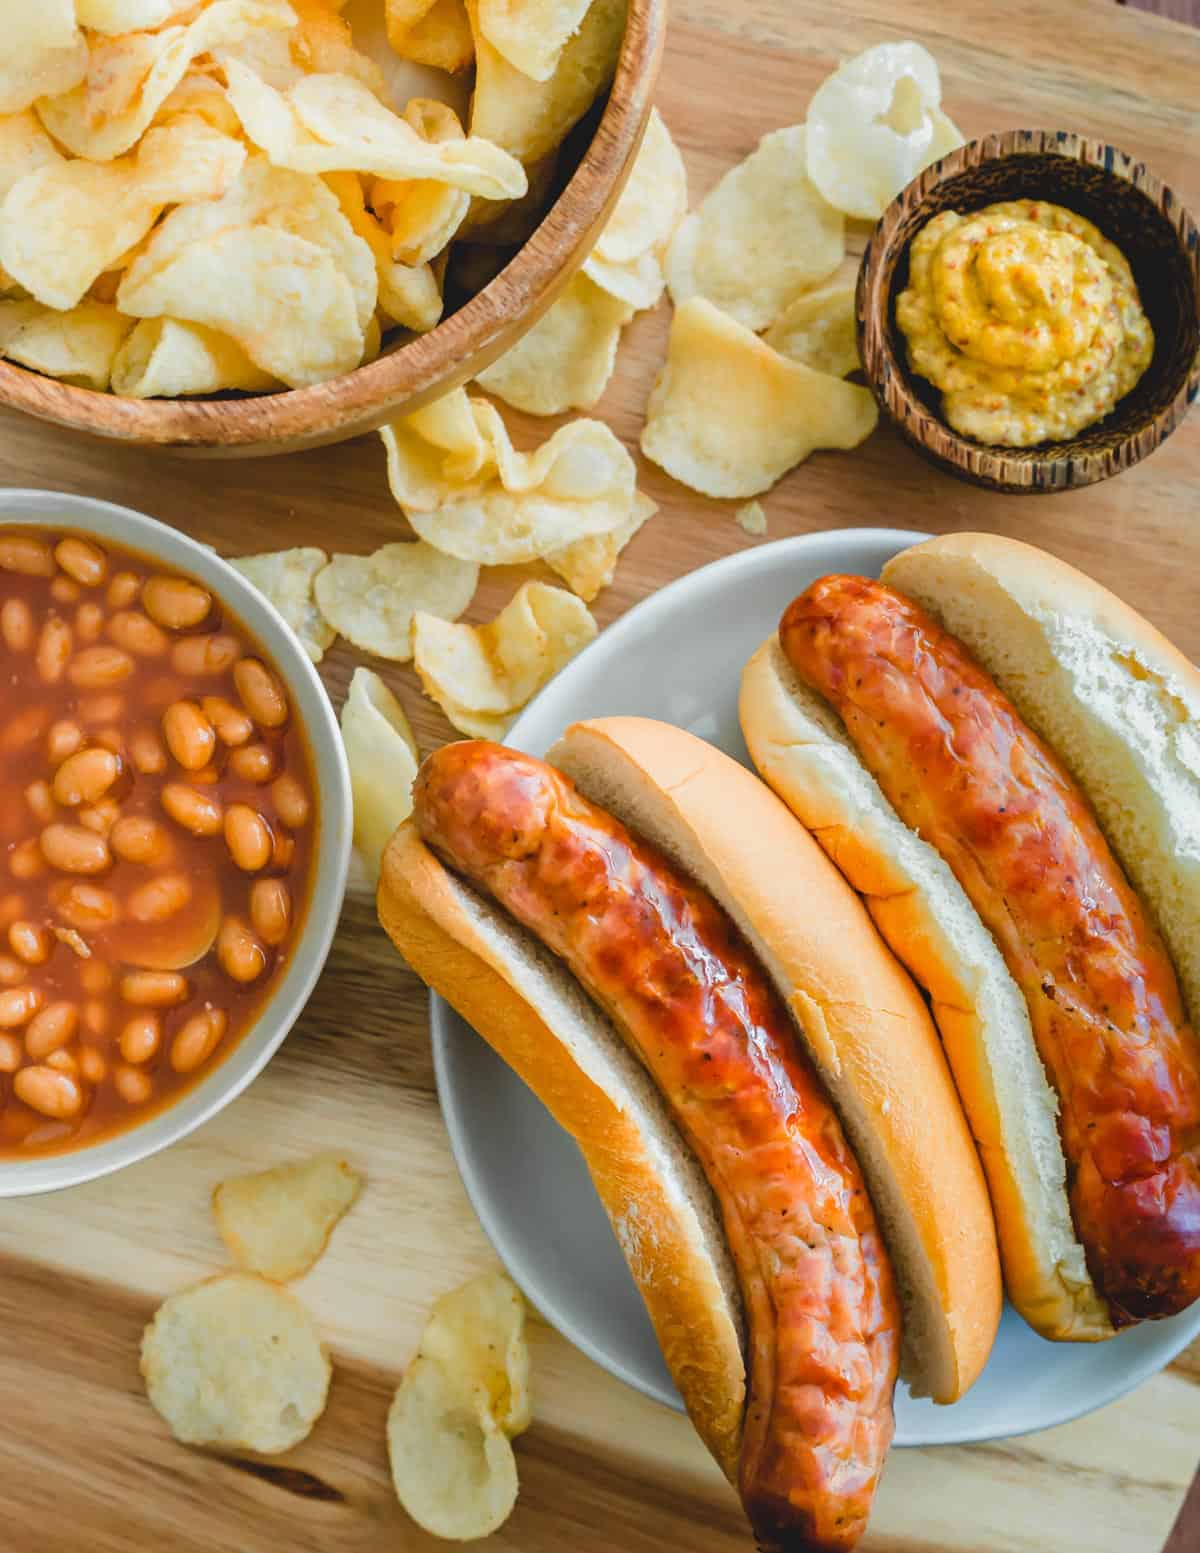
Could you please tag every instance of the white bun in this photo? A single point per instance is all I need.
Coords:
(1118, 704)
(799, 744)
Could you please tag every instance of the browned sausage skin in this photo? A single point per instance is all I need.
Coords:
(679, 983)
(962, 769)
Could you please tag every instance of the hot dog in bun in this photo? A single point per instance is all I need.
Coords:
(1017, 803)
(650, 939)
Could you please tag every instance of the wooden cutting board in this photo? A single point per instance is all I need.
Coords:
(86, 1463)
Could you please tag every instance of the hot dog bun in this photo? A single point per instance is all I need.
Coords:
(864, 1023)
(798, 743)
(1118, 704)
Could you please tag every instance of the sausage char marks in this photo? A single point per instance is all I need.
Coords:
(961, 768)
(681, 986)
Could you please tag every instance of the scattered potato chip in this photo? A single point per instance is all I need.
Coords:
(236, 1361)
(751, 519)
(24, 147)
(280, 297)
(382, 755)
(408, 294)
(78, 346)
(491, 671)
(639, 282)
(462, 1399)
(531, 118)
(440, 36)
(371, 599)
(760, 235)
(729, 416)
(278, 1222)
(652, 203)
(531, 34)
(165, 358)
(422, 214)
(333, 123)
(481, 500)
(43, 52)
(874, 124)
(200, 96)
(589, 565)
(285, 579)
(565, 360)
(818, 328)
(108, 207)
(130, 77)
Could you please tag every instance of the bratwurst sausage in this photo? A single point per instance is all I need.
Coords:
(961, 768)
(683, 989)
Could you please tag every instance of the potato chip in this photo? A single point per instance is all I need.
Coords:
(494, 669)
(285, 579)
(200, 96)
(108, 207)
(127, 15)
(371, 599)
(589, 565)
(465, 1395)
(818, 328)
(531, 118)
(751, 519)
(282, 298)
(874, 124)
(729, 416)
(481, 500)
(565, 360)
(759, 236)
(14, 316)
(165, 358)
(422, 214)
(440, 37)
(652, 203)
(278, 1222)
(78, 346)
(24, 148)
(509, 223)
(333, 123)
(236, 1361)
(130, 77)
(639, 282)
(43, 52)
(408, 294)
(382, 755)
(531, 34)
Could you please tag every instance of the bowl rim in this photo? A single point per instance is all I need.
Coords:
(890, 378)
(426, 366)
(124, 525)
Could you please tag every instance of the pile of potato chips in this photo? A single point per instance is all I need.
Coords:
(206, 195)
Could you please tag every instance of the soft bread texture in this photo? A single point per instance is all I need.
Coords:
(862, 1020)
(1117, 703)
(800, 746)
(526, 1004)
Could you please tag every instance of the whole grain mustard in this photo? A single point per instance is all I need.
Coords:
(1026, 318)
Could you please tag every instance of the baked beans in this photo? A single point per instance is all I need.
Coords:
(156, 822)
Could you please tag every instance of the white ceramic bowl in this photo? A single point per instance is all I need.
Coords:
(678, 656)
(105, 521)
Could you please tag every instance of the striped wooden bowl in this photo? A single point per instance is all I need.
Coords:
(1132, 208)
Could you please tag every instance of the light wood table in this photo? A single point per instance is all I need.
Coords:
(86, 1463)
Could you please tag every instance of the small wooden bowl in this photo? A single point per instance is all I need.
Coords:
(425, 367)
(1132, 208)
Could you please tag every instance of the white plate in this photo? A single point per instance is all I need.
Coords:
(678, 657)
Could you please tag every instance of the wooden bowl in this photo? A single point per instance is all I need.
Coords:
(1132, 208)
(424, 367)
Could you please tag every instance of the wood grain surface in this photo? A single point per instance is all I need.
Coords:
(86, 1463)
